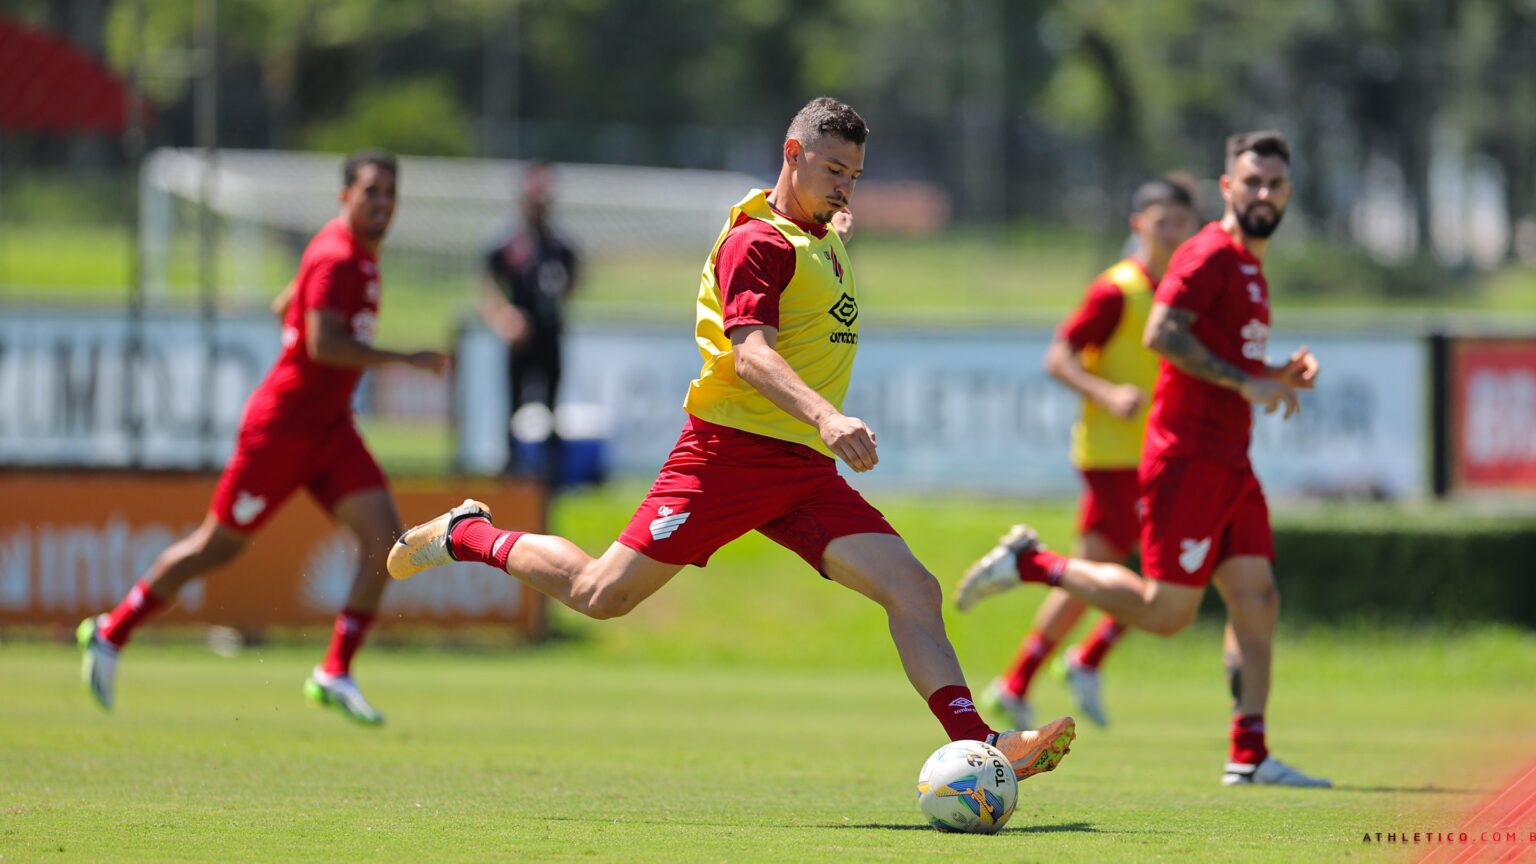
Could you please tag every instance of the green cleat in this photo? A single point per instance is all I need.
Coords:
(340, 692)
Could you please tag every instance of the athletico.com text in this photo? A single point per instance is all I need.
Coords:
(1467, 837)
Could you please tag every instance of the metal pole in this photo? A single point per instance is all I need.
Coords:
(207, 134)
(133, 150)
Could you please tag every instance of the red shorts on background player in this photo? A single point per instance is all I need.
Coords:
(298, 433)
(777, 329)
(1204, 515)
(1098, 353)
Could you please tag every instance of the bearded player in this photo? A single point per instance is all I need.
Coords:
(1205, 516)
(777, 328)
(298, 432)
(1098, 353)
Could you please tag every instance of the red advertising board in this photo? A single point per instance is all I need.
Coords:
(1493, 414)
(72, 542)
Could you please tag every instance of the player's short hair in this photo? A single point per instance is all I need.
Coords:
(1165, 190)
(1265, 142)
(380, 158)
(827, 116)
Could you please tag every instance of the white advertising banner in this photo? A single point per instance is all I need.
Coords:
(92, 389)
(973, 410)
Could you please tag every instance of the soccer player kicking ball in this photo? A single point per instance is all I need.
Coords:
(1098, 353)
(298, 432)
(1205, 517)
(777, 326)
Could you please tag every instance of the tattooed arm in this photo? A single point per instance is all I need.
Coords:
(1170, 333)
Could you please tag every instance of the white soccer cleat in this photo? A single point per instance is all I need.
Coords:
(997, 701)
(425, 546)
(998, 570)
(340, 692)
(1270, 772)
(1084, 684)
(98, 661)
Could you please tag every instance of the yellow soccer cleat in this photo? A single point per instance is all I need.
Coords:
(1036, 751)
(426, 545)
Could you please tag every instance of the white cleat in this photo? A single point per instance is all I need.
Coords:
(425, 546)
(98, 661)
(1270, 772)
(998, 570)
(997, 701)
(1084, 684)
(340, 692)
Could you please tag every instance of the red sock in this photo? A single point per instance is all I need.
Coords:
(1248, 746)
(479, 540)
(1042, 565)
(1031, 657)
(954, 708)
(346, 637)
(1104, 636)
(138, 605)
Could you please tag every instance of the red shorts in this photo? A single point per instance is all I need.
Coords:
(1108, 507)
(1197, 514)
(719, 483)
(267, 467)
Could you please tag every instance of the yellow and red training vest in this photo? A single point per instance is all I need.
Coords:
(1101, 440)
(818, 332)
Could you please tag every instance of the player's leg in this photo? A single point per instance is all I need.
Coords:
(1232, 660)
(603, 587)
(1084, 659)
(1245, 578)
(1157, 607)
(1008, 695)
(101, 637)
(881, 567)
(370, 515)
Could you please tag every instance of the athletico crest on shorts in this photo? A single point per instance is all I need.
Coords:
(667, 522)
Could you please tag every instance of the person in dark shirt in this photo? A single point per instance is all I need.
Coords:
(527, 280)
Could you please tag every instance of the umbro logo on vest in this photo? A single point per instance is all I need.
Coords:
(845, 310)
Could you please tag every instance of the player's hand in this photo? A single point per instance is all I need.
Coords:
(842, 223)
(512, 326)
(1124, 400)
(1300, 371)
(851, 439)
(435, 362)
(1272, 393)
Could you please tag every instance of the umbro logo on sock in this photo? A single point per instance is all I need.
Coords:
(962, 705)
(667, 523)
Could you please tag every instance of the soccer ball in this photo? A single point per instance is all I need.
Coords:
(967, 787)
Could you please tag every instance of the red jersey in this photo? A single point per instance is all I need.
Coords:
(300, 395)
(1214, 277)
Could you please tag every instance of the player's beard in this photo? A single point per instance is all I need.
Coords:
(1255, 225)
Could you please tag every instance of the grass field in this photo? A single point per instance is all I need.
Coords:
(749, 712)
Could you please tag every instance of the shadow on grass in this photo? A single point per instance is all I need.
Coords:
(1061, 828)
(1429, 789)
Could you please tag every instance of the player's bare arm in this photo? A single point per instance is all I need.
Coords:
(1066, 365)
(1170, 333)
(760, 364)
(281, 302)
(330, 342)
(504, 319)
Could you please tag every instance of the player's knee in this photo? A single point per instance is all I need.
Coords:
(916, 592)
(1168, 620)
(601, 601)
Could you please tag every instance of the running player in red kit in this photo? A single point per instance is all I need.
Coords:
(1098, 352)
(1205, 517)
(777, 328)
(298, 432)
